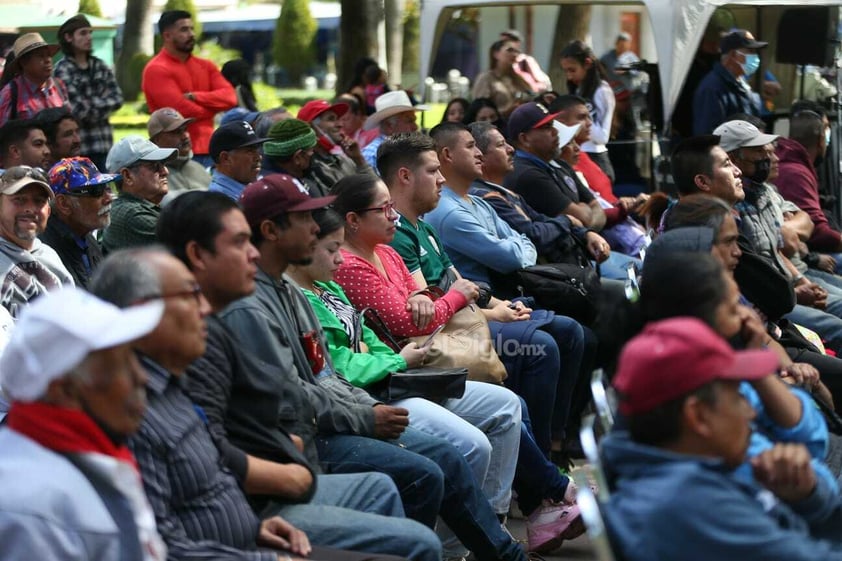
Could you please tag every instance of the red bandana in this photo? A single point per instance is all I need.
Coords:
(64, 430)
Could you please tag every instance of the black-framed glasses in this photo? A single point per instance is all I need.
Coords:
(387, 209)
(195, 291)
(93, 191)
(17, 173)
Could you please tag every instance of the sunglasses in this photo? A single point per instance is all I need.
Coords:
(93, 191)
(17, 173)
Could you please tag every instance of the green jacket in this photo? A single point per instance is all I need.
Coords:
(361, 369)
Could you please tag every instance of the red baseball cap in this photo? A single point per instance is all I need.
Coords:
(676, 356)
(313, 109)
(276, 194)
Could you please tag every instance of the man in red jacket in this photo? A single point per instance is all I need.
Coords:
(192, 86)
(809, 135)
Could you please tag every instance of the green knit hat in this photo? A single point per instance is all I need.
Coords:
(287, 136)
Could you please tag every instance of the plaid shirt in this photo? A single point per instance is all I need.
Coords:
(94, 95)
(31, 98)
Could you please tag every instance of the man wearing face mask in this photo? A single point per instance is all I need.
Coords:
(725, 90)
(767, 219)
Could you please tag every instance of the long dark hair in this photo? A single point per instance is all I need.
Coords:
(238, 74)
(594, 76)
(329, 221)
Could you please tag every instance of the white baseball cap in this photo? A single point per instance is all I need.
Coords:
(59, 329)
(566, 133)
(741, 134)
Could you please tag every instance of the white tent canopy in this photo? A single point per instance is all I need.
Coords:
(679, 24)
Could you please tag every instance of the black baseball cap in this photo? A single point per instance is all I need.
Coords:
(739, 39)
(230, 136)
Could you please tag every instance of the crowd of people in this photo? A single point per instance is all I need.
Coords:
(194, 361)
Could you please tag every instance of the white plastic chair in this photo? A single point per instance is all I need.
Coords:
(589, 507)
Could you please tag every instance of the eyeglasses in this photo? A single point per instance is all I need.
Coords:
(195, 291)
(17, 173)
(388, 209)
(93, 191)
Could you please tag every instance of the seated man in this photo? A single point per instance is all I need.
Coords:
(167, 128)
(289, 149)
(81, 206)
(199, 507)
(62, 131)
(394, 113)
(22, 143)
(235, 149)
(70, 488)
(336, 156)
(29, 267)
(142, 186)
(228, 384)
(674, 464)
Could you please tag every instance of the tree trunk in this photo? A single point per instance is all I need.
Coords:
(137, 37)
(357, 37)
(394, 40)
(574, 22)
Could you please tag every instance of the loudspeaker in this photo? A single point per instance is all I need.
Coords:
(807, 35)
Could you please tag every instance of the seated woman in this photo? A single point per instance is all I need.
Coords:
(374, 275)
(683, 276)
(544, 495)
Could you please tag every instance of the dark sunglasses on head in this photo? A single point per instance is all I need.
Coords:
(19, 172)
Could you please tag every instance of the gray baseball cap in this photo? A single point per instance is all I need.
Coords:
(133, 149)
(741, 134)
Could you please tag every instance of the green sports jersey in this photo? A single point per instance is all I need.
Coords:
(421, 248)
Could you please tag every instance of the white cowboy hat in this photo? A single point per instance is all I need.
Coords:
(390, 104)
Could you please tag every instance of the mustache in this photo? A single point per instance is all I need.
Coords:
(104, 210)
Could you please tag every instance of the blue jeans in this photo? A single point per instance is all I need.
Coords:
(484, 425)
(360, 512)
(411, 461)
(544, 369)
(828, 326)
(536, 478)
(838, 258)
(419, 480)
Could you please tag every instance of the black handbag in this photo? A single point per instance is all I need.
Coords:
(564, 288)
(435, 384)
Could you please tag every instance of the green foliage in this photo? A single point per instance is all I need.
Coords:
(133, 76)
(411, 38)
(90, 7)
(212, 50)
(293, 45)
(266, 96)
(187, 6)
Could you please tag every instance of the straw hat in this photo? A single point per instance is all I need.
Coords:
(390, 104)
(29, 42)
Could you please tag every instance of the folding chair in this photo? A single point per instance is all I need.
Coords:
(602, 400)
(587, 437)
(589, 507)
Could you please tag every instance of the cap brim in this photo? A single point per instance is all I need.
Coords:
(135, 322)
(761, 140)
(374, 119)
(177, 125)
(756, 45)
(312, 204)
(544, 121)
(159, 155)
(25, 182)
(751, 365)
(566, 133)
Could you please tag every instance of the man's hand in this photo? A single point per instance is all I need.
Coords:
(597, 246)
(786, 471)
(752, 331)
(389, 422)
(277, 533)
(826, 263)
(802, 374)
(351, 149)
(423, 310)
(299, 443)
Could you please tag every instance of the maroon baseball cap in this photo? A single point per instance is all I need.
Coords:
(313, 109)
(277, 194)
(677, 356)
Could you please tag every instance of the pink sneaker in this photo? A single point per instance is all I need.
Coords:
(551, 524)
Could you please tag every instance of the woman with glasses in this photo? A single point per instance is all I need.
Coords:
(500, 83)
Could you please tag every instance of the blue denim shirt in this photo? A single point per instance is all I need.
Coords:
(221, 183)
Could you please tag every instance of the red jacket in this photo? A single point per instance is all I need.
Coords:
(798, 183)
(165, 81)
